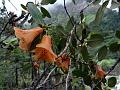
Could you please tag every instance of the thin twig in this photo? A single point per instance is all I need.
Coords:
(4, 28)
(12, 4)
(87, 6)
(35, 83)
(68, 42)
(24, 20)
(112, 68)
(67, 78)
(72, 22)
(47, 77)
(56, 85)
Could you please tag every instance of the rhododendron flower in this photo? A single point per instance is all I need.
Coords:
(63, 62)
(43, 50)
(27, 36)
(100, 73)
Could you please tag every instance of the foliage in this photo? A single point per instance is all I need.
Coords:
(64, 55)
(106, 63)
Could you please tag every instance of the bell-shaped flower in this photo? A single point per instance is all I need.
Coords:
(27, 36)
(100, 73)
(43, 50)
(63, 62)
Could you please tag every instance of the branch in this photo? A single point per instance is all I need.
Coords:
(35, 84)
(87, 6)
(10, 21)
(67, 43)
(24, 20)
(112, 68)
(72, 22)
(66, 86)
(47, 77)
(12, 4)
(51, 88)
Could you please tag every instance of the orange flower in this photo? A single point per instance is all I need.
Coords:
(100, 73)
(63, 62)
(43, 50)
(27, 36)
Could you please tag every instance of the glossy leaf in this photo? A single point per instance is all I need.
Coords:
(95, 40)
(82, 16)
(100, 12)
(23, 6)
(62, 43)
(34, 12)
(89, 18)
(117, 34)
(82, 71)
(102, 52)
(112, 81)
(45, 2)
(85, 54)
(45, 12)
(74, 42)
(114, 47)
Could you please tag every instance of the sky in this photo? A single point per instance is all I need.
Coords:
(15, 7)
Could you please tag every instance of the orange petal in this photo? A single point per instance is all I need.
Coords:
(63, 62)
(27, 36)
(100, 73)
(43, 50)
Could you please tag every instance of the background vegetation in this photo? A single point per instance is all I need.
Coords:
(96, 40)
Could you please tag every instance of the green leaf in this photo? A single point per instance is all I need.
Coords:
(84, 53)
(35, 42)
(62, 44)
(81, 71)
(76, 73)
(117, 34)
(23, 6)
(45, 2)
(102, 52)
(89, 18)
(35, 13)
(100, 12)
(74, 42)
(95, 40)
(87, 80)
(82, 16)
(45, 12)
(112, 81)
(69, 25)
(114, 47)
(87, 87)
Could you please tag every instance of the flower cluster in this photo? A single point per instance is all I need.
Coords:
(43, 49)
